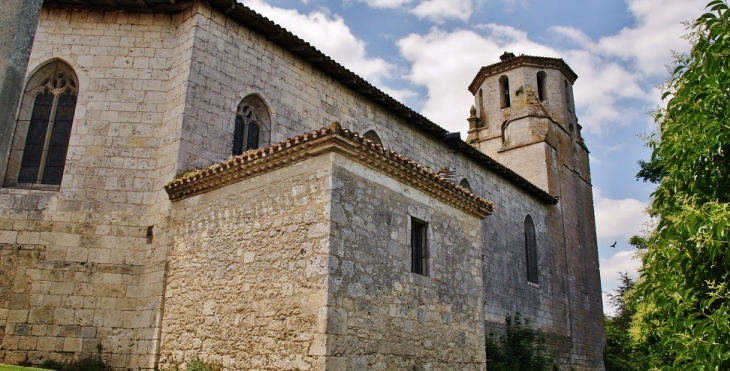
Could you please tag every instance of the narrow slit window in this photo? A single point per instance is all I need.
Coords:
(541, 77)
(531, 250)
(419, 247)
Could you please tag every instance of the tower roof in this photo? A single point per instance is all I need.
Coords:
(509, 62)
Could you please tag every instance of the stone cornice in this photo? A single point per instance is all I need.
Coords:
(328, 140)
(522, 60)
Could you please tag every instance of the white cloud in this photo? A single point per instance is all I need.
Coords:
(391, 4)
(621, 262)
(435, 10)
(441, 10)
(330, 35)
(613, 70)
(446, 62)
(657, 31)
(619, 219)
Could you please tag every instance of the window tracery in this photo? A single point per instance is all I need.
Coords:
(43, 128)
(252, 125)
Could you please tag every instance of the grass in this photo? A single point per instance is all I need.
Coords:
(18, 368)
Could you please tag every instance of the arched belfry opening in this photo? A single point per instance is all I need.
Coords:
(373, 136)
(504, 100)
(43, 127)
(252, 126)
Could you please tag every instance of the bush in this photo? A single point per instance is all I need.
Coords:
(90, 363)
(520, 348)
(196, 364)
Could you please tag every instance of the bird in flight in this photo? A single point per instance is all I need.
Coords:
(614, 244)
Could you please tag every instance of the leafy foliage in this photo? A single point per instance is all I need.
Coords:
(651, 171)
(622, 353)
(196, 364)
(91, 363)
(683, 298)
(520, 348)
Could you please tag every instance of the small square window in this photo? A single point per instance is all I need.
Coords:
(419, 247)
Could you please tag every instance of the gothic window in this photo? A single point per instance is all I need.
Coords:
(419, 247)
(43, 129)
(465, 184)
(504, 92)
(373, 136)
(566, 92)
(252, 126)
(541, 77)
(530, 250)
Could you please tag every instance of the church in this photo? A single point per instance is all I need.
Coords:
(186, 178)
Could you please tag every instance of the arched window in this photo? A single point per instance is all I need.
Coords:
(43, 129)
(530, 250)
(465, 184)
(252, 126)
(504, 92)
(566, 91)
(373, 136)
(541, 92)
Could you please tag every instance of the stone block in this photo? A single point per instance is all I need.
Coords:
(72, 344)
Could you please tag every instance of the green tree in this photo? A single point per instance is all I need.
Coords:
(683, 293)
(622, 352)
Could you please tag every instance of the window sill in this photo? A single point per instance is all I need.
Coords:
(31, 186)
(420, 279)
(535, 285)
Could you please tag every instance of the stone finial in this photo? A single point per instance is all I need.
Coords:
(335, 126)
(474, 121)
(506, 56)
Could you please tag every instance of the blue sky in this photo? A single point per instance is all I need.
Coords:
(426, 52)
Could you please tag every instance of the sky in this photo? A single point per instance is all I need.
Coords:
(425, 53)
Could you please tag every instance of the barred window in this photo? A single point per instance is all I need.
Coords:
(419, 247)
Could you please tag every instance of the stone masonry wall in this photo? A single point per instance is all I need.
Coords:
(86, 271)
(382, 316)
(248, 268)
(231, 62)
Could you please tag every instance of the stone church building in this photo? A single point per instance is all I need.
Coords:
(186, 178)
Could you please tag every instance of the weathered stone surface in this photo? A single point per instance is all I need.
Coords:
(301, 266)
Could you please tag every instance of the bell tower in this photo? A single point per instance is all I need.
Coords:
(524, 117)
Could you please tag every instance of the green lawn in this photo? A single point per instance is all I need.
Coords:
(18, 368)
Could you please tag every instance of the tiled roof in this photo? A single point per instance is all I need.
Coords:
(332, 139)
(280, 36)
(136, 6)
